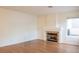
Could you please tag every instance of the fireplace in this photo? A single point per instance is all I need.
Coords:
(52, 36)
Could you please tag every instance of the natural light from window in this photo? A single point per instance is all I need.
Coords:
(73, 26)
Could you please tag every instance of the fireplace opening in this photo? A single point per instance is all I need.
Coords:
(52, 36)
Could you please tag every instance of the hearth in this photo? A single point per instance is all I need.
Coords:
(52, 36)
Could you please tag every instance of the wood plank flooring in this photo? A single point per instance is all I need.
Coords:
(40, 46)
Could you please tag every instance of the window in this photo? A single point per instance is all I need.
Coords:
(73, 26)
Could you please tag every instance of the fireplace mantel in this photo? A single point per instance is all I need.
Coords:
(52, 31)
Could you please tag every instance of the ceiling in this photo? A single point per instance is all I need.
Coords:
(41, 10)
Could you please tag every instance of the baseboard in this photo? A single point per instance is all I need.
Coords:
(71, 43)
(4, 43)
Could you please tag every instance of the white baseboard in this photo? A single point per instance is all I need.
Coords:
(8, 42)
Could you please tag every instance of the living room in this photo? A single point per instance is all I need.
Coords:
(20, 24)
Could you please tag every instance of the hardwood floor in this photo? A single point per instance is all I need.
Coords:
(40, 46)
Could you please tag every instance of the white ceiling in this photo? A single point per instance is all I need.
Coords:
(40, 10)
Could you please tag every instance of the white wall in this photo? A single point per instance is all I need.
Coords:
(46, 23)
(16, 27)
(41, 25)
